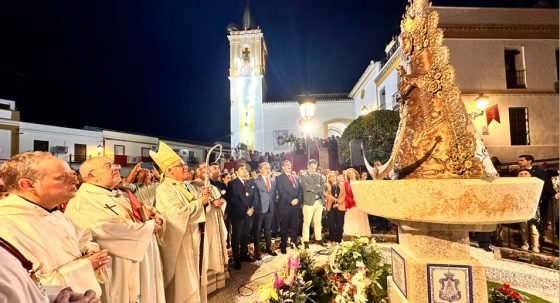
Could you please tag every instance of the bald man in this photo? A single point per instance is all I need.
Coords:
(135, 273)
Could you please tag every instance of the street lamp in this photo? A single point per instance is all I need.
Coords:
(481, 104)
(307, 106)
(99, 149)
(307, 111)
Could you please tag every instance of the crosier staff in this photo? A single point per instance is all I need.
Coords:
(219, 213)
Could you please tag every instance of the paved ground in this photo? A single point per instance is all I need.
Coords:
(243, 284)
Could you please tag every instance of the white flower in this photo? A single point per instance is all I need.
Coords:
(360, 264)
(363, 240)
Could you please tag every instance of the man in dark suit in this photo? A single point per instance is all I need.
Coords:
(290, 197)
(264, 210)
(241, 197)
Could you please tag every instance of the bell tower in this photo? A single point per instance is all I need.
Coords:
(246, 76)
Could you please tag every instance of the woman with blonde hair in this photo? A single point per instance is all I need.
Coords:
(336, 208)
(356, 223)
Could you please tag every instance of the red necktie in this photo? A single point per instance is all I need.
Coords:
(292, 180)
(268, 184)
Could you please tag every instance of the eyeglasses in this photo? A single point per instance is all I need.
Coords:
(108, 165)
(181, 165)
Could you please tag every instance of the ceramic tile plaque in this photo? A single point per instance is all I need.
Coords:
(398, 271)
(449, 283)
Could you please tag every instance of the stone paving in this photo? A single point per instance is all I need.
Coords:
(243, 284)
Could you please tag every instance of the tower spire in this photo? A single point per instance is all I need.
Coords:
(247, 22)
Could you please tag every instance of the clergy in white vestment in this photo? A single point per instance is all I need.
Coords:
(17, 284)
(181, 241)
(63, 253)
(130, 242)
(215, 234)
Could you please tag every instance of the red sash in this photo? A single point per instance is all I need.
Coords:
(12, 250)
(135, 204)
(349, 200)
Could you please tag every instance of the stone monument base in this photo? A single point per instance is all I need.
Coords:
(417, 279)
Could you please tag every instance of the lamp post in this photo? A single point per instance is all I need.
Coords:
(481, 104)
(99, 149)
(307, 111)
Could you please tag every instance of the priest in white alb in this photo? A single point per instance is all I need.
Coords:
(133, 275)
(215, 232)
(62, 253)
(181, 241)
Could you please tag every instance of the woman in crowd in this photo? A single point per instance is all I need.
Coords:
(336, 208)
(356, 223)
(225, 178)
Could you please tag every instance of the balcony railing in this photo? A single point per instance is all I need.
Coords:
(516, 79)
(129, 160)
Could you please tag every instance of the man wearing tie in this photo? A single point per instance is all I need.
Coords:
(290, 196)
(264, 210)
(242, 198)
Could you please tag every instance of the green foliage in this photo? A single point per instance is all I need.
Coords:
(377, 130)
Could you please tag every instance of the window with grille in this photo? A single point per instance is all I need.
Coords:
(40, 145)
(515, 68)
(382, 100)
(519, 126)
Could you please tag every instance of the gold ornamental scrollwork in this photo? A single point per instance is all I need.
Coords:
(435, 138)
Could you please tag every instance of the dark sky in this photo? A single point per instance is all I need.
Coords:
(160, 67)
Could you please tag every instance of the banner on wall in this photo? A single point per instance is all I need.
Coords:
(278, 136)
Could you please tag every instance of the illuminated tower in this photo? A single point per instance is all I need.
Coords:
(246, 75)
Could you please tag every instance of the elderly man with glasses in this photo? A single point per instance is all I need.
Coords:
(135, 273)
(184, 273)
(48, 245)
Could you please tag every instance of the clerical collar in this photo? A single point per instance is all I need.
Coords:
(47, 210)
(103, 187)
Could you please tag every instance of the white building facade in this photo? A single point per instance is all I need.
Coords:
(68, 144)
(509, 55)
(333, 112)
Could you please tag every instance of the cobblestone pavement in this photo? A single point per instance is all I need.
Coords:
(242, 286)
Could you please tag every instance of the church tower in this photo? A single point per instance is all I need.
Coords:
(246, 76)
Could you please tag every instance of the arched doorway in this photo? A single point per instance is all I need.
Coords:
(335, 127)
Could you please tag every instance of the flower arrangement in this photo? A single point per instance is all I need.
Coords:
(287, 286)
(356, 273)
(506, 294)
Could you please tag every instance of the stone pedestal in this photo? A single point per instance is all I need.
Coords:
(432, 261)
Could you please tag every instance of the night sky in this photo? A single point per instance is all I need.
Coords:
(160, 67)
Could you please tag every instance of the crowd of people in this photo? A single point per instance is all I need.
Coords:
(532, 231)
(163, 235)
(155, 236)
(299, 147)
